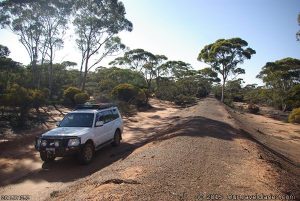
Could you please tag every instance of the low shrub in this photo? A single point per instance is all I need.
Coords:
(252, 108)
(185, 100)
(229, 102)
(140, 99)
(39, 97)
(130, 94)
(125, 92)
(81, 98)
(294, 116)
(69, 95)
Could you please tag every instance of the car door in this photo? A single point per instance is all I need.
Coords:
(100, 131)
(109, 125)
(118, 123)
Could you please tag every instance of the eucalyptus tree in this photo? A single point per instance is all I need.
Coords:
(209, 75)
(55, 19)
(39, 25)
(176, 69)
(281, 77)
(97, 23)
(24, 19)
(224, 55)
(4, 51)
(10, 70)
(141, 61)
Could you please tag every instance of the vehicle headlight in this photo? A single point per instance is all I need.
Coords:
(44, 143)
(73, 142)
(56, 143)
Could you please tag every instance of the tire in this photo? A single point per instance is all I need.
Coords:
(86, 154)
(46, 157)
(117, 138)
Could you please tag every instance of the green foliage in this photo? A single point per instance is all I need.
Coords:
(175, 69)
(183, 100)
(39, 26)
(192, 86)
(129, 93)
(125, 92)
(81, 98)
(293, 99)
(224, 55)
(101, 31)
(4, 51)
(70, 93)
(167, 90)
(281, 78)
(141, 98)
(257, 95)
(229, 102)
(22, 100)
(217, 91)
(252, 108)
(17, 96)
(109, 78)
(234, 90)
(39, 97)
(143, 62)
(294, 116)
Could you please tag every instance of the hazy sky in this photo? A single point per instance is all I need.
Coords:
(179, 29)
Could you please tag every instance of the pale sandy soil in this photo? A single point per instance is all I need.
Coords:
(278, 134)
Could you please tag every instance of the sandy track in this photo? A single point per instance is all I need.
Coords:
(167, 154)
(23, 173)
(200, 153)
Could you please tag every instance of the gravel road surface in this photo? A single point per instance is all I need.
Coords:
(197, 153)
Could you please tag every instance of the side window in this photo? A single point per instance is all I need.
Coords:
(107, 116)
(100, 117)
(115, 114)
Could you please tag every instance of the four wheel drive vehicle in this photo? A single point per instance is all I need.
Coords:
(82, 132)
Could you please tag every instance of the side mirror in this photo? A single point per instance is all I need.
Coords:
(99, 123)
(57, 123)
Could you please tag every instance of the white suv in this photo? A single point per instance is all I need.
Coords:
(82, 132)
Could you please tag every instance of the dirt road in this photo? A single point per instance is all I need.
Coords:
(167, 154)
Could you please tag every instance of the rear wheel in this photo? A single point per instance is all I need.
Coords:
(86, 154)
(47, 157)
(117, 138)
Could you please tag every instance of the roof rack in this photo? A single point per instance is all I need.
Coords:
(94, 106)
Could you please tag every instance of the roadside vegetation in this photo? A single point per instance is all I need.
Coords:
(281, 90)
(131, 79)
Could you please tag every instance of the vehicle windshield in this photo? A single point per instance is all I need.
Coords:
(77, 120)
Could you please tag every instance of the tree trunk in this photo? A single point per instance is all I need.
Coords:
(86, 66)
(223, 87)
(51, 73)
(83, 80)
(85, 72)
(34, 73)
(80, 75)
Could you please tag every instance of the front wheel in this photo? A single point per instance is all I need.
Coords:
(47, 157)
(117, 138)
(86, 154)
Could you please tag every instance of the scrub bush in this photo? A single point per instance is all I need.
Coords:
(294, 116)
(252, 108)
(81, 98)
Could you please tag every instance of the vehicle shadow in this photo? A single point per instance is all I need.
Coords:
(68, 169)
(197, 126)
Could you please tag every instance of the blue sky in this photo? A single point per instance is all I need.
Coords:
(179, 29)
